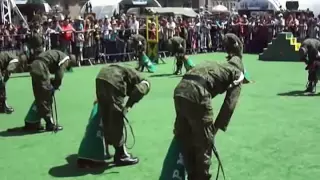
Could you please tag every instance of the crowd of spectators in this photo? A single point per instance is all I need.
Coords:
(106, 39)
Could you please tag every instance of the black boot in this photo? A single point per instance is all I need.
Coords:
(122, 158)
(179, 65)
(309, 87)
(4, 108)
(33, 127)
(50, 126)
(86, 163)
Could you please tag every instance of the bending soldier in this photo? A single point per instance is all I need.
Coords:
(9, 62)
(194, 126)
(139, 44)
(310, 54)
(49, 62)
(113, 84)
(177, 46)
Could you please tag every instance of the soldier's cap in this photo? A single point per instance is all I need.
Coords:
(303, 52)
(143, 87)
(23, 58)
(231, 39)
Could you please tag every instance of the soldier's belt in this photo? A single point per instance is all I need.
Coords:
(198, 79)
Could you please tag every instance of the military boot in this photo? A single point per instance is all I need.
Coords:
(50, 126)
(179, 65)
(311, 87)
(4, 108)
(122, 158)
(33, 126)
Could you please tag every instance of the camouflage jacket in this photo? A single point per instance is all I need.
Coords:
(55, 63)
(313, 48)
(207, 80)
(8, 61)
(122, 78)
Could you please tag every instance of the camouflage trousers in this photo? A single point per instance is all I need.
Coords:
(109, 101)
(195, 133)
(42, 89)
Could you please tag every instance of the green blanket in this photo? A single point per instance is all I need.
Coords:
(173, 168)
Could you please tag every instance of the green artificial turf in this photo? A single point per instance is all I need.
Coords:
(270, 137)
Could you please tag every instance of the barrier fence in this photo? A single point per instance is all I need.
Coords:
(95, 46)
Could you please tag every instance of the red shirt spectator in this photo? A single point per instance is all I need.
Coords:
(67, 28)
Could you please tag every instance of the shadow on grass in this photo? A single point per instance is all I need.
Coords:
(71, 170)
(20, 76)
(161, 75)
(297, 93)
(18, 131)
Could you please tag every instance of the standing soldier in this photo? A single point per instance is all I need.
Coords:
(177, 46)
(49, 62)
(113, 84)
(9, 62)
(36, 41)
(310, 54)
(194, 127)
(139, 44)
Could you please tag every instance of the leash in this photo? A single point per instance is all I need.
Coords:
(174, 64)
(126, 121)
(126, 132)
(55, 130)
(220, 167)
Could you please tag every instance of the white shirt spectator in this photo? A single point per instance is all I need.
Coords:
(134, 26)
(171, 28)
(106, 28)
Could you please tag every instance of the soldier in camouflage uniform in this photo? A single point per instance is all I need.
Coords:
(113, 84)
(139, 44)
(9, 62)
(49, 62)
(177, 46)
(310, 54)
(194, 126)
(35, 41)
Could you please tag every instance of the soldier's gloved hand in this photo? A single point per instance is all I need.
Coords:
(125, 110)
(54, 84)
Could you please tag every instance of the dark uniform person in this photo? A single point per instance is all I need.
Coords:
(35, 41)
(49, 62)
(113, 84)
(310, 54)
(139, 44)
(9, 62)
(194, 126)
(177, 46)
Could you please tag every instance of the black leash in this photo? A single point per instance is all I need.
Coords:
(220, 167)
(126, 121)
(126, 132)
(56, 124)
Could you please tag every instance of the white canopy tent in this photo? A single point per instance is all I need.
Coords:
(220, 9)
(263, 5)
(102, 8)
